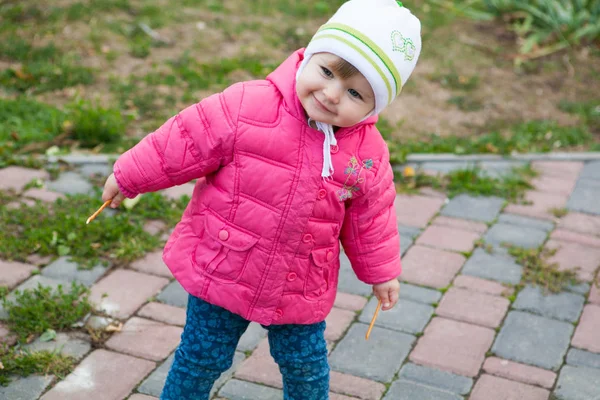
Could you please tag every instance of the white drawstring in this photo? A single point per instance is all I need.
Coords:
(327, 143)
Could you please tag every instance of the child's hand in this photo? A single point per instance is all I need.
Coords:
(387, 292)
(111, 191)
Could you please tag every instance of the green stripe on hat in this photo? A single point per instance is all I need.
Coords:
(321, 35)
(372, 46)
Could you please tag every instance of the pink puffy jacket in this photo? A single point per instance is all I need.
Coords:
(261, 234)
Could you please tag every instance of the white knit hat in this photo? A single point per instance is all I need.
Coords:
(380, 38)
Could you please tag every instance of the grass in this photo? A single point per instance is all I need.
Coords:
(474, 181)
(40, 69)
(24, 363)
(28, 126)
(538, 271)
(34, 311)
(532, 136)
(59, 229)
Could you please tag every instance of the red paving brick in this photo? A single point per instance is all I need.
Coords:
(416, 210)
(453, 346)
(5, 336)
(260, 367)
(43, 195)
(595, 292)
(586, 334)
(430, 267)
(555, 185)
(176, 192)
(482, 285)
(164, 313)
(447, 238)
(570, 236)
(337, 322)
(349, 301)
(542, 205)
(519, 372)
(103, 375)
(138, 396)
(478, 227)
(153, 264)
(354, 386)
(126, 292)
(13, 273)
(145, 339)
(16, 178)
(570, 255)
(493, 388)
(558, 169)
(583, 223)
(474, 307)
(154, 227)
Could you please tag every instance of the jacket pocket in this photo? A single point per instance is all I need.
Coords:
(318, 276)
(223, 249)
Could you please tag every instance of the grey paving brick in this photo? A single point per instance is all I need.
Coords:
(446, 167)
(380, 357)
(29, 388)
(436, 378)
(63, 343)
(591, 170)
(409, 231)
(496, 169)
(582, 288)
(406, 390)
(521, 236)
(582, 358)
(90, 170)
(534, 340)
(493, 266)
(70, 183)
(241, 390)
(348, 282)
(585, 197)
(174, 294)
(250, 339)
(483, 209)
(578, 383)
(419, 294)
(63, 269)
(405, 243)
(153, 385)
(563, 306)
(529, 222)
(406, 316)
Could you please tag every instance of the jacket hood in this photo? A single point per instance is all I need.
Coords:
(284, 78)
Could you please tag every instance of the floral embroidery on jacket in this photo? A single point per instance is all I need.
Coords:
(354, 177)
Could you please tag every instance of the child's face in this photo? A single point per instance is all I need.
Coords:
(330, 98)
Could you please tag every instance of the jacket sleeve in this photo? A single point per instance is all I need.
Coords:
(370, 233)
(197, 141)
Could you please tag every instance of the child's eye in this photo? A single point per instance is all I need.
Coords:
(354, 93)
(327, 72)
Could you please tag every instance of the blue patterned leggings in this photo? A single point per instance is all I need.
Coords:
(208, 343)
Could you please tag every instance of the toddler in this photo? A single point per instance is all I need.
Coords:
(291, 166)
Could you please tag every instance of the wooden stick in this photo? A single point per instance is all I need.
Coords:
(94, 215)
(373, 320)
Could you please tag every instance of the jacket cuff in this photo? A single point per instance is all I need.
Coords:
(119, 178)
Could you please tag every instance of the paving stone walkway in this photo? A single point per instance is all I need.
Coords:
(460, 331)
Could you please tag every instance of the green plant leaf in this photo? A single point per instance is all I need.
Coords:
(49, 335)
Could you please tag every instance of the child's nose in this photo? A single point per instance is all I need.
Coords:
(332, 94)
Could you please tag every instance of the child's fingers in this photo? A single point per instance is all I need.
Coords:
(393, 296)
(383, 295)
(117, 200)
